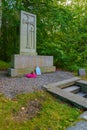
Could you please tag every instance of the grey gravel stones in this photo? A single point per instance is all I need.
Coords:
(13, 86)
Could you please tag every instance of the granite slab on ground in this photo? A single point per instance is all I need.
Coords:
(82, 124)
(13, 86)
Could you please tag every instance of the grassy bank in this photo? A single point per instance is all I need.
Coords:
(4, 65)
(36, 111)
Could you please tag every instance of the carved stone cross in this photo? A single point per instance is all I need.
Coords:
(28, 33)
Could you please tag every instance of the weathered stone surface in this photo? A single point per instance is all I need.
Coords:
(55, 88)
(75, 99)
(22, 64)
(82, 125)
(82, 94)
(83, 116)
(28, 34)
(21, 72)
(83, 85)
(22, 61)
(73, 89)
(64, 83)
(81, 72)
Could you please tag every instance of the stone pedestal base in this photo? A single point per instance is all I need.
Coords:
(23, 64)
(20, 72)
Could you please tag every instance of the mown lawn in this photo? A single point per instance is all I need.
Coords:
(35, 111)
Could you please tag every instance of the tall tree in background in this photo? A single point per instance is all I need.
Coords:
(10, 30)
(61, 30)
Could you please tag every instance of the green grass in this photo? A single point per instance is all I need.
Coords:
(4, 65)
(54, 114)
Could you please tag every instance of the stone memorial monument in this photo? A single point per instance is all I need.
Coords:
(27, 60)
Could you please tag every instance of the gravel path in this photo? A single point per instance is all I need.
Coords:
(13, 86)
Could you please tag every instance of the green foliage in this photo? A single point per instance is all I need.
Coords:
(54, 114)
(4, 65)
(61, 30)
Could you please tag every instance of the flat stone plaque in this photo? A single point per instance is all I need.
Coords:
(81, 72)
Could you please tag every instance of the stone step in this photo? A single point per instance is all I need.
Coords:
(73, 89)
(58, 90)
(82, 94)
(75, 99)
